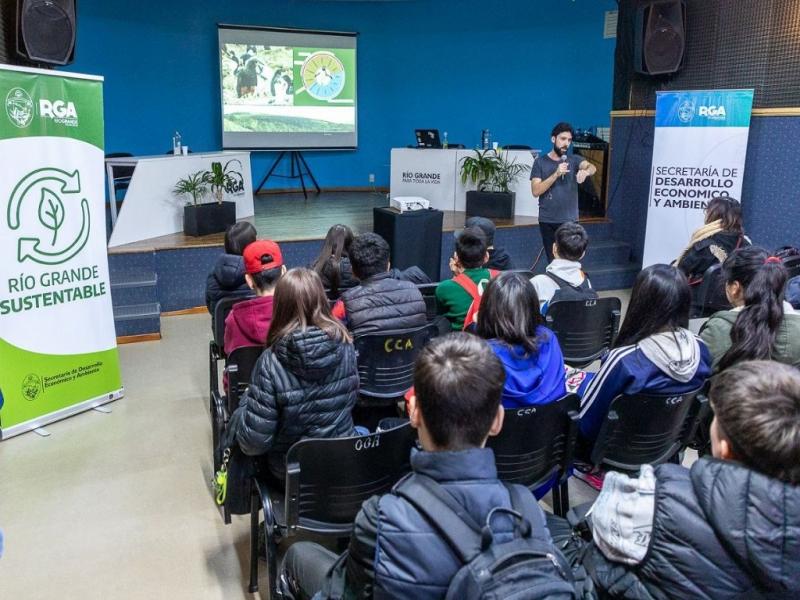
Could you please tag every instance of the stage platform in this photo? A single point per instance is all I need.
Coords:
(168, 274)
(291, 218)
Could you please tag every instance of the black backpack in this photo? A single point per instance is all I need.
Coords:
(524, 568)
(567, 291)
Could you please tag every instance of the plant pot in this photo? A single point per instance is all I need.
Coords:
(204, 219)
(495, 205)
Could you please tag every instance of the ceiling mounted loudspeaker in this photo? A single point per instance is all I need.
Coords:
(660, 36)
(46, 30)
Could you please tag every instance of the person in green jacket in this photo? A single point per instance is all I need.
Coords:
(761, 325)
(453, 299)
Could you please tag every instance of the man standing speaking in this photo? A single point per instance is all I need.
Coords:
(555, 178)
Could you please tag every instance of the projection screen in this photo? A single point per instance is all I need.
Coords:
(287, 89)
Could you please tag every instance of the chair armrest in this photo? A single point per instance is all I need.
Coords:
(599, 449)
(569, 448)
(699, 412)
(292, 496)
(616, 318)
(213, 350)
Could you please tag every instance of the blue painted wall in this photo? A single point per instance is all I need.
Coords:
(515, 67)
(770, 205)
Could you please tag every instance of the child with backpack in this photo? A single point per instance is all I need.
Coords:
(728, 527)
(563, 278)
(458, 298)
(423, 540)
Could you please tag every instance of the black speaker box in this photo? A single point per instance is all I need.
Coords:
(414, 237)
(46, 31)
(660, 36)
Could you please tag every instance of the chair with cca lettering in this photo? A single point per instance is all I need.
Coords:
(585, 328)
(386, 363)
(320, 496)
(648, 429)
(535, 447)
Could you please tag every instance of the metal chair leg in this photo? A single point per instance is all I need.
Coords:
(556, 494)
(255, 505)
(564, 508)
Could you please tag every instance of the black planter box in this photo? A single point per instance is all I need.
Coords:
(495, 205)
(205, 219)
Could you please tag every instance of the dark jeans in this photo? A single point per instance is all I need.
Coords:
(304, 569)
(548, 231)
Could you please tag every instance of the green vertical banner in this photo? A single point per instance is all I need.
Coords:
(58, 352)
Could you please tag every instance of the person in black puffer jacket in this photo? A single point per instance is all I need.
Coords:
(305, 383)
(729, 527)
(227, 276)
(379, 303)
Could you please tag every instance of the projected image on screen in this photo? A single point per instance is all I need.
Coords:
(287, 96)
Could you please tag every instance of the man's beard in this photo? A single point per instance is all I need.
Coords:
(559, 151)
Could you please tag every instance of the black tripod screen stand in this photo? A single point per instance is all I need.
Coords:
(298, 169)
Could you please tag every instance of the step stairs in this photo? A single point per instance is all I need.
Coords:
(134, 293)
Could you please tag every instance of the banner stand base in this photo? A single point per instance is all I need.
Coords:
(42, 432)
(39, 423)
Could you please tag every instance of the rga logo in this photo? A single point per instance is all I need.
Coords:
(717, 113)
(19, 107)
(61, 112)
(235, 183)
(686, 111)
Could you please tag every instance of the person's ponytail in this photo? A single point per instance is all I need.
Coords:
(763, 278)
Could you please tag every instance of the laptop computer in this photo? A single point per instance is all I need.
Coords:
(428, 138)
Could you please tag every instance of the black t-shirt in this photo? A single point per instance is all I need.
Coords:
(559, 204)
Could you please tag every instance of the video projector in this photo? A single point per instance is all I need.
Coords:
(406, 203)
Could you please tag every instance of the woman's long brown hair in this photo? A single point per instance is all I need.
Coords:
(300, 303)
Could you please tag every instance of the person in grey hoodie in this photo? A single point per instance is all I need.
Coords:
(726, 528)
(563, 278)
(653, 353)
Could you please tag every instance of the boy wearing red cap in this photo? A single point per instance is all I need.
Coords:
(248, 322)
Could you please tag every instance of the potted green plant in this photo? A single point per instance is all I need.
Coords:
(201, 218)
(492, 173)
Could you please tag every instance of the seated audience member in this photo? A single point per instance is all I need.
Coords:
(499, 259)
(379, 302)
(793, 292)
(227, 276)
(654, 353)
(509, 319)
(761, 324)
(721, 234)
(333, 263)
(305, 384)
(563, 278)
(455, 296)
(396, 552)
(729, 526)
(248, 322)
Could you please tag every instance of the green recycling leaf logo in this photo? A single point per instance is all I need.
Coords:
(50, 187)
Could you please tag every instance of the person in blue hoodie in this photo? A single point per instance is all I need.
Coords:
(227, 276)
(653, 352)
(509, 319)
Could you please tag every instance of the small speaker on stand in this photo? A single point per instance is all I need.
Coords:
(46, 31)
(660, 37)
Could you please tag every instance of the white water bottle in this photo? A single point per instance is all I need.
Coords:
(176, 144)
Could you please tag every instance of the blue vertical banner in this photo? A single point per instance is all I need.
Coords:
(699, 152)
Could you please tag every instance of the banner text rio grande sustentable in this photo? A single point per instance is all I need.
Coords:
(58, 351)
(699, 151)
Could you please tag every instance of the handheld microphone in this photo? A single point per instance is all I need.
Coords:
(563, 160)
